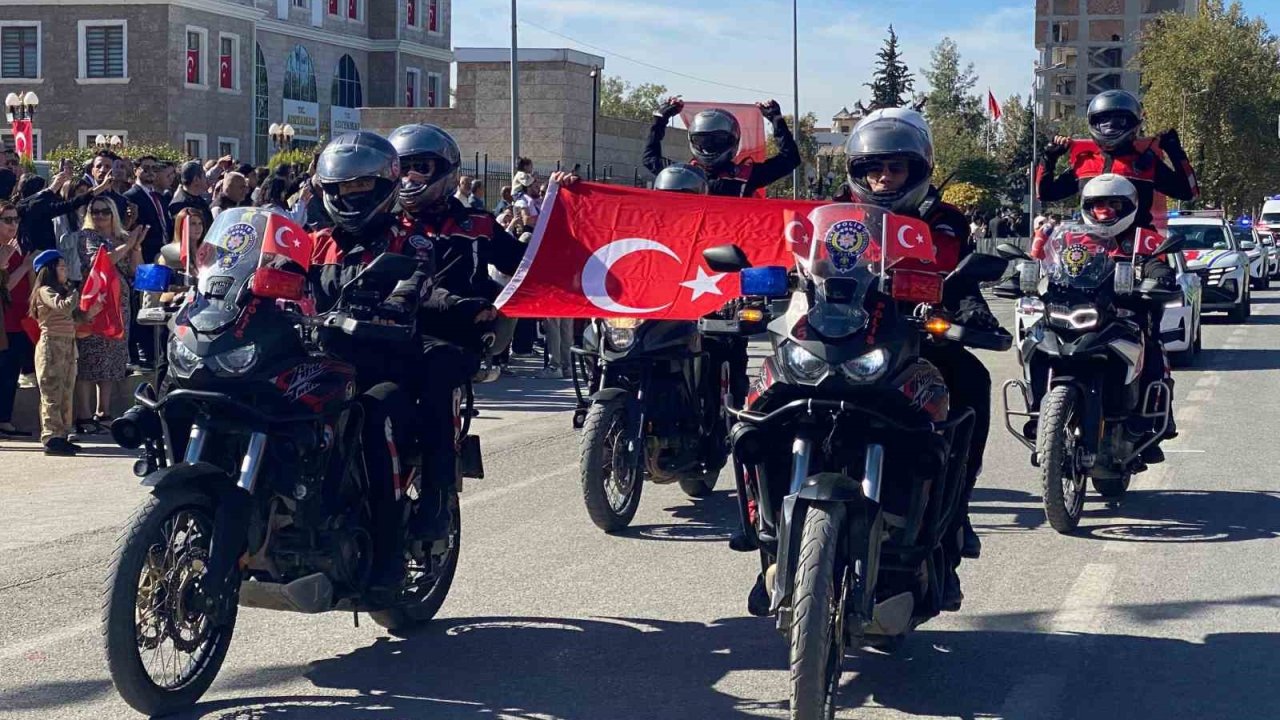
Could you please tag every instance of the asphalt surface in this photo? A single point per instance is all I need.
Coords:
(1165, 605)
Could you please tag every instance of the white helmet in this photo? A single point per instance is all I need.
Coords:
(1105, 220)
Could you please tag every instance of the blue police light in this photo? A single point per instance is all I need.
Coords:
(767, 281)
(1173, 213)
(152, 278)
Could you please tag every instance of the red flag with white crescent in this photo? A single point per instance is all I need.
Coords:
(103, 280)
(993, 106)
(610, 251)
(193, 67)
(224, 72)
(22, 138)
(286, 239)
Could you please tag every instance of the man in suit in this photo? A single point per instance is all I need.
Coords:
(153, 214)
(191, 193)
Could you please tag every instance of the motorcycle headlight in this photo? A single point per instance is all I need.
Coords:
(621, 332)
(803, 364)
(868, 366)
(238, 361)
(181, 358)
(1081, 318)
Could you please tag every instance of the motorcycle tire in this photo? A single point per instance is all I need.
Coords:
(817, 627)
(702, 485)
(1112, 488)
(421, 606)
(1056, 450)
(603, 436)
(120, 629)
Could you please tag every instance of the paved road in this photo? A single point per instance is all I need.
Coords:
(1167, 605)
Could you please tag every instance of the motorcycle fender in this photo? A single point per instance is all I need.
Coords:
(604, 395)
(1089, 391)
(207, 477)
(824, 487)
(831, 487)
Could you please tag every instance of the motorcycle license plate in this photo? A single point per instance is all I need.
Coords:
(718, 325)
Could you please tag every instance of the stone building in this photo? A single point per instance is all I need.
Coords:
(212, 75)
(1095, 43)
(555, 114)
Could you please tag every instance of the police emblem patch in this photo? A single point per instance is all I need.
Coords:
(846, 241)
(1074, 258)
(239, 240)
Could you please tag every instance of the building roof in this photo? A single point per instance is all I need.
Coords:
(503, 55)
(843, 114)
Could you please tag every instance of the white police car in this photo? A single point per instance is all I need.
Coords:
(1260, 256)
(1180, 325)
(1212, 252)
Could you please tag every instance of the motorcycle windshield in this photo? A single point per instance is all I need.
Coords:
(841, 253)
(240, 241)
(1076, 258)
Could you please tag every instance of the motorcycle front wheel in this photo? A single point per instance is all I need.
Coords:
(611, 474)
(817, 627)
(163, 653)
(428, 577)
(1062, 478)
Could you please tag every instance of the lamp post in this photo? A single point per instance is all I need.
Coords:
(1038, 72)
(515, 91)
(282, 135)
(595, 111)
(20, 106)
(795, 88)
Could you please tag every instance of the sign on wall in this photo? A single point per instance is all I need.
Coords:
(305, 119)
(344, 120)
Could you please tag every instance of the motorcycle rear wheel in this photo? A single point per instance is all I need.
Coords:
(159, 561)
(1062, 481)
(426, 588)
(611, 478)
(817, 629)
(1112, 488)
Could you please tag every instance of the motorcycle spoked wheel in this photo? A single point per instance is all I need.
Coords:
(162, 654)
(612, 477)
(428, 577)
(1062, 478)
(818, 625)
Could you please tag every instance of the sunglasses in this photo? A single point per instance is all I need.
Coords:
(9, 219)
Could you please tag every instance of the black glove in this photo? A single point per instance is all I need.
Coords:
(468, 308)
(770, 110)
(399, 307)
(670, 108)
(974, 314)
(1053, 151)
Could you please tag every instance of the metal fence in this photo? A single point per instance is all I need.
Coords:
(496, 174)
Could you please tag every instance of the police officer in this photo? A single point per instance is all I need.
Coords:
(359, 176)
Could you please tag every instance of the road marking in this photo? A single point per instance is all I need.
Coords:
(1211, 379)
(1189, 452)
(1187, 414)
(485, 495)
(1085, 601)
(1199, 396)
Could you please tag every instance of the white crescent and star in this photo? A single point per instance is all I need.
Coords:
(902, 237)
(279, 233)
(789, 232)
(595, 273)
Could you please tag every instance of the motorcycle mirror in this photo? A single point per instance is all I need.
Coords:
(1028, 276)
(726, 258)
(1124, 278)
(1173, 243)
(980, 267)
(1009, 251)
(391, 266)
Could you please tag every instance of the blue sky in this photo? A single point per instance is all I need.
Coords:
(748, 42)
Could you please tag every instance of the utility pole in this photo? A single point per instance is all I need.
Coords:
(515, 91)
(795, 89)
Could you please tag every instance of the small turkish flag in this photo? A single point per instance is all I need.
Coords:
(103, 280)
(1146, 241)
(993, 106)
(193, 67)
(22, 138)
(611, 251)
(287, 241)
(908, 238)
(224, 72)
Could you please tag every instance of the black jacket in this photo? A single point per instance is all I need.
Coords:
(157, 220)
(733, 180)
(36, 214)
(181, 201)
(467, 242)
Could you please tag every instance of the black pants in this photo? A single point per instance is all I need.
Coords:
(733, 350)
(19, 358)
(970, 385)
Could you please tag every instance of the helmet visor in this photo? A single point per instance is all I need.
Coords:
(712, 143)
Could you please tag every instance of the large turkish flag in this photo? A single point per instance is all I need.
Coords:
(22, 138)
(102, 279)
(610, 251)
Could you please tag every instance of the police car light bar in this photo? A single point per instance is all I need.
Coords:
(1195, 213)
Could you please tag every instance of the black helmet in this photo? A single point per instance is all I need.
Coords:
(432, 152)
(681, 178)
(881, 136)
(714, 136)
(357, 156)
(1114, 118)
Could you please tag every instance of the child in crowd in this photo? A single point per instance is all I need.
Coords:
(56, 308)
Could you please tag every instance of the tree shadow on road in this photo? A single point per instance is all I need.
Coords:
(1187, 516)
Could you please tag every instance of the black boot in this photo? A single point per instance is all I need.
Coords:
(758, 599)
(970, 543)
(952, 597)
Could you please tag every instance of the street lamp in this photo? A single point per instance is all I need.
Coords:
(595, 110)
(282, 135)
(116, 142)
(1037, 73)
(21, 106)
(100, 142)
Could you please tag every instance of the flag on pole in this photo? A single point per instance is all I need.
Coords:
(993, 106)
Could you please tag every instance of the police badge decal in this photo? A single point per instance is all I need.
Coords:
(1074, 258)
(846, 241)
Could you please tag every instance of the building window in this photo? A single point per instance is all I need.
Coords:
(1106, 58)
(1102, 82)
(412, 84)
(37, 149)
(228, 62)
(346, 91)
(1064, 85)
(353, 9)
(197, 42)
(229, 147)
(1059, 33)
(195, 145)
(434, 98)
(104, 49)
(433, 16)
(299, 4)
(299, 76)
(20, 51)
(261, 107)
(411, 13)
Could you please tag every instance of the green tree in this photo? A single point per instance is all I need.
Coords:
(1213, 77)
(950, 84)
(892, 82)
(621, 99)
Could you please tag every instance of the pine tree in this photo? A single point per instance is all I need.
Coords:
(892, 82)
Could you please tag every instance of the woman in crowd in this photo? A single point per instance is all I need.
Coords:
(56, 308)
(67, 225)
(15, 345)
(104, 361)
(275, 196)
(195, 238)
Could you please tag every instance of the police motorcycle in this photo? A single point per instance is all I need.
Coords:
(649, 406)
(267, 502)
(1083, 356)
(848, 458)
